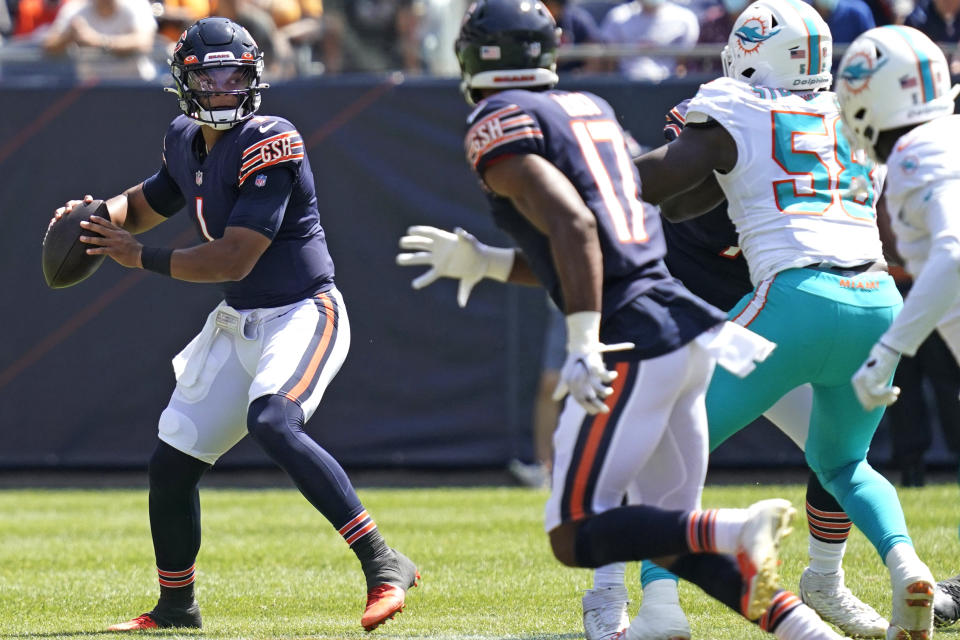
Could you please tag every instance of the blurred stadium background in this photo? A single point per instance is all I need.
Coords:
(85, 372)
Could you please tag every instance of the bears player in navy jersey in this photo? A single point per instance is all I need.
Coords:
(266, 354)
(558, 175)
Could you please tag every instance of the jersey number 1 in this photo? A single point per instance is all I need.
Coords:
(201, 221)
(624, 208)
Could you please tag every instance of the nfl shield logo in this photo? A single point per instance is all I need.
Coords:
(199, 178)
(260, 180)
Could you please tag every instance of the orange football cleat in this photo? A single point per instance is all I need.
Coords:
(163, 617)
(384, 601)
(137, 624)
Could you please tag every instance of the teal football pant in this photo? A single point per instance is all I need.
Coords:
(824, 326)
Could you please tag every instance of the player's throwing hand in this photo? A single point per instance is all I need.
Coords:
(113, 241)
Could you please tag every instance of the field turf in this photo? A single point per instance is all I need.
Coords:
(73, 562)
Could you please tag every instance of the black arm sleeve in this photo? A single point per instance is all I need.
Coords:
(162, 193)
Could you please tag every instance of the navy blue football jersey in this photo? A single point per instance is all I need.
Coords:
(256, 176)
(703, 252)
(579, 134)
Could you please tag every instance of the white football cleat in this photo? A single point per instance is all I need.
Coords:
(758, 548)
(826, 594)
(660, 616)
(912, 617)
(605, 613)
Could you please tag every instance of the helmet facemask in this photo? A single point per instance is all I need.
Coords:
(219, 96)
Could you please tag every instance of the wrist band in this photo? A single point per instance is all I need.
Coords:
(156, 259)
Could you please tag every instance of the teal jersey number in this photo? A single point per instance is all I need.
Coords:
(833, 177)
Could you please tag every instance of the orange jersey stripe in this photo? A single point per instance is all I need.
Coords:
(526, 133)
(269, 164)
(256, 146)
(597, 427)
(307, 378)
(295, 147)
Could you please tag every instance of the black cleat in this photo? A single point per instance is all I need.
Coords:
(946, 602)
(163, 617)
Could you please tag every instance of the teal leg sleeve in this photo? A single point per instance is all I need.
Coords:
(840, 434)
(649, 572)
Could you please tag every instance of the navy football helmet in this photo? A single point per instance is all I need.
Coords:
(216, 68)
(505, 44)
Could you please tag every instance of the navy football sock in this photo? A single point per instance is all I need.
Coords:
(716, 574)
(276, 423)
(635, 532)
(175, 520)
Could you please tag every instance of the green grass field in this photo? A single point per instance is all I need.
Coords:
(73, 562)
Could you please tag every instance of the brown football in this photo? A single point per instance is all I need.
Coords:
(65, 260)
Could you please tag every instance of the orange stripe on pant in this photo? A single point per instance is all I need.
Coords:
(597, 428)
(307, 378)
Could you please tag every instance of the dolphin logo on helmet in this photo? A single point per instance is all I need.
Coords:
(856, 75)
(750, 37)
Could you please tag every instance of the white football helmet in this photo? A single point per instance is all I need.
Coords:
(782, 44)
(891, 77)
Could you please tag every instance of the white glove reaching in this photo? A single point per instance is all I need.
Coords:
(453, 255)
(871, 381)
(584, 374)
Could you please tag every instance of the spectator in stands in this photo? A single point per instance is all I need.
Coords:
(120, 27)
(653, 23)
(30, 15)
(275, 47)
(372, 35)
(6, 24)
(300, 23)
(939, 20)
(847, 19)
(890, 11)
(577, 27)
(174, 16)
(716, 23)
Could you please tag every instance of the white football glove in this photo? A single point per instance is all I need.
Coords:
(584, 375)
(871, 381)
(453, 255)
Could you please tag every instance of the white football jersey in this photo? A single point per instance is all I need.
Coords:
(925, 157)
(797, 195)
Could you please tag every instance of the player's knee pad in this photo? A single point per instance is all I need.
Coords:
(272, 419)
(173, 472)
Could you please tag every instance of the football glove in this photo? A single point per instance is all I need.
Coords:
(872, 380)
(453, 255)
(584, 375)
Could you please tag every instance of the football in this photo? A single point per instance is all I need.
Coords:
(65, 260)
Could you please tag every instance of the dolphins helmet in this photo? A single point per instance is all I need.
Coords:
(892, 77)
(782, 44)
